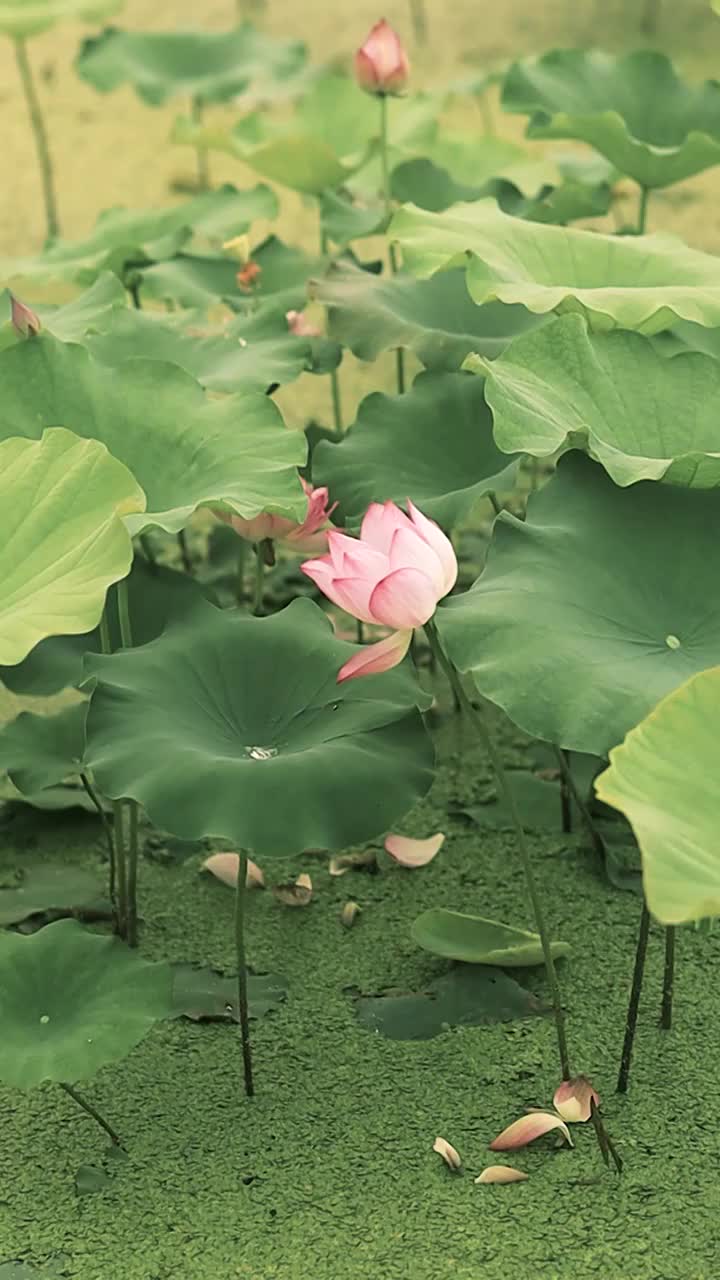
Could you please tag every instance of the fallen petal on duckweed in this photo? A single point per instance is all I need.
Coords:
(501, 1173)
(573, 1100)
(527, 1129)
(349, 914)
(352, 861)
(448, 1154)
(294, 893)
(408, 852)
(224, 866)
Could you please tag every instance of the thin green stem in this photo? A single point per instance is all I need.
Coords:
(132, 872)
(42, 147)
(604, 1141)
(184, 551)
(129, 851)
(476, 717)
(581, 805)
(90, 1110)
(666, 1012)
(387, 199)
(418, 17)
(147, 549)
(634, 1004)
(259, 579)
(496, 506)
(486, 111)
(123, 608)
(240, 572)
(107, 832)
(565, 803)
(334, 373)
(203, 165)
(243, 1010)
(642, 210)
(121, 871)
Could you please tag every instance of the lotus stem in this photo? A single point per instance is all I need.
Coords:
(203, 164)
(666, 1012)
(476, 717)
(240, 573)
(642, 210)
(387, 198)
(565, 801)
(259, 579)
(130, 870)
(107, 831)
(184, 551)
(604, 1141)
(42, 147)
(334, 373)
(634, 1004)
(571, 792)
(243, 1011)
(90, 1110)
(118, 869)
(483, 101)
(650, 17)
(418, 17)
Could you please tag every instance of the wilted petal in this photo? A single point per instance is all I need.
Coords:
(294, 893)
(224, 866)
(408, 852)
(501, 1173)
(573, 1100)
(375, 658)
(351, 861)
(349, 914)
(23, 318)
(448, 1153)
(526, 1130)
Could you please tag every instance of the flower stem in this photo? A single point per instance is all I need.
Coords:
(572, 792)
(118, 870)
(668, 979)
(126, 640)
(184, 551)
(334, 373)
(240, 572)
(387, 198)
(477, 718)
(37, 124)
(107, 831)
(259, 579)
(243, 1011)
(634, 1004)
(203, 167)
(418, 17)
(642, 210)
(91, 1111)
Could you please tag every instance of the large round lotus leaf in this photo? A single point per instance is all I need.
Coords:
(476, 940)
(212, 66)
(563, 387)
(630, 282)
(73, 1001)
(123, 236)
(185, 449)
(663, 777)
(42, 750)
(594, 608)
(296, 160)
(635, 110)
(236, 727)
(69, 322)
(433, 445)
(21, 18)
(63, 539)
(195, 281)
(436, 319)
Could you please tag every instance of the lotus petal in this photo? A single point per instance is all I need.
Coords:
(408, 852)
(527, 1129)
(501, 1173)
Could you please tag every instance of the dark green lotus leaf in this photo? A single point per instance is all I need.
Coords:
(436, 319)
(428, 185)
(72, 1001)
(559, 204)
(235, 727)
(204, 995)
(194, 281)
(635, 110)
(184, 449)
(23, 18)
(212, 66)
(130, 236)
(537, 800)
(594, 608)
(42, 887)
(477, 940)
(57, 799)
(39, 751)
(344, 219)
(468, 996)
(70, 322)
(563, 387)
(433, 445)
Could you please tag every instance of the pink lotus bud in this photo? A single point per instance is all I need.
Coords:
(394, 574)
(573, 1100)
(381, 63)
(24, 321)
(307, 539)
(300, 326)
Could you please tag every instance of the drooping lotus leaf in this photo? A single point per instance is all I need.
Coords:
(430, 186)
(72, 1001)
(663, 777)
(563, 387)
(644, 283)
(204, 995)
(43, 887)
(185, 449)
(22, 18)
(433, 445)
(42, 750)
(436, 319)
(211, 66)
(560, 204)
(594, 608)
(63, 540)
(92, 309)
(240, 731)
(131, 236)
(468, 996)
(635, 110)
(342, 219)
(195, 281)
(476, 940)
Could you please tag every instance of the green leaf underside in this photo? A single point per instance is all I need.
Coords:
(42, 750)
(433, 445)
(644, 283)
(72, 1001)
(43, 887)
(663, 777)
(469, 996)
(641, 415)
(62, 539)
(477, 940)
(228, 713)
(586, 614)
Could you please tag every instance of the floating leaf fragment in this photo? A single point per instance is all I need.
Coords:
(527, 1129)
(224, 866)
(408, 852)
(448, 1154)
(573, 1100)
(501, 1173)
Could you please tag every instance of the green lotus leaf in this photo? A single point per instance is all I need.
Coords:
(185, 449)
(194, 281)
(62, 537)
(72, 1001)
(430, 186)
(563, 387)
(42, 750)
(663, 778)
(42, 888)
(21, 18)
(211, 66)
(476, 940)
(433, 445)
(342, 219)
(635, 110)
(468, 996)
(436, 319)
(205, 995)
(565, 202)
(644, 283)
(90, 310)
(131, 236)
(297, 160)
(236, 727)
(594, 608)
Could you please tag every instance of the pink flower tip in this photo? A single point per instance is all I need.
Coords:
(574, 1098)
(24, 320)
(381, 63)
(527, 1129)
(300, 326)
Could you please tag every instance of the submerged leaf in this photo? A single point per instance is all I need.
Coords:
(205, 995)
(470, 995)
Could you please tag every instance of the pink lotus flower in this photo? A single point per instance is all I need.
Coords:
(300, 326)
(381, 63)
(393, 575)
(308, 538)
(24, 321)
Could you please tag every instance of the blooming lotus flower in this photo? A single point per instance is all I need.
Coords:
(308, 538)
(300, 326)
(381, 63)
(393, 575)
